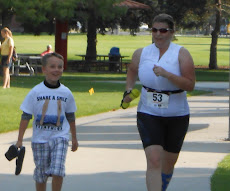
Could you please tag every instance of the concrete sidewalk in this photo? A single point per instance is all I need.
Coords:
(212, 86)
(111, 158)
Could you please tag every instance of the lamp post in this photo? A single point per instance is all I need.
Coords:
(61, 34)
(228, 31)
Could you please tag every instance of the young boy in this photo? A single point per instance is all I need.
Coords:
(53, 107)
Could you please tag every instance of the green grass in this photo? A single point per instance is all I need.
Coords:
(201, 75)
(79, 84)
(212, 75)
(199, 47)
(87, 104)
(220, 179)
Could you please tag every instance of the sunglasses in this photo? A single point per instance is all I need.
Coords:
(162, 30)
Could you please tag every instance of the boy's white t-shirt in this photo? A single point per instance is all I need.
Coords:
(49, 119)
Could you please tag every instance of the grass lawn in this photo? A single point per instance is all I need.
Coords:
(199, 47)
(79, 84)
(212, 75)
(220, 179)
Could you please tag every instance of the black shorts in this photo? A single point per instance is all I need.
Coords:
(4, 62)
(169, 132)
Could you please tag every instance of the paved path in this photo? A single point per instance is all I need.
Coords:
(111, 158)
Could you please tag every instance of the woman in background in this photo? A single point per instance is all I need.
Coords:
(6, 52)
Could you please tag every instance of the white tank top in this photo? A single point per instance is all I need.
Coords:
(177, 104)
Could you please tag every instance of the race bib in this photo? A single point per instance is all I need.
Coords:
(158, 100)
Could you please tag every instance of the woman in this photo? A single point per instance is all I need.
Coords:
(6, 52)
(166, 71)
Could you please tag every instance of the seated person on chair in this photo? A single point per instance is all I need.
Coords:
(49, 50)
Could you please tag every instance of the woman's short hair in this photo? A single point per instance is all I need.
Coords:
(164, 18)
(47, 56)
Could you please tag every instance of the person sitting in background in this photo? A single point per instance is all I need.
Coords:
(48, 50)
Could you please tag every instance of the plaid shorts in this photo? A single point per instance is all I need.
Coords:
(49, 159)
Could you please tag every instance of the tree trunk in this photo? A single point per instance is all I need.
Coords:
(215, 33)
(91, 51)
(6, 17)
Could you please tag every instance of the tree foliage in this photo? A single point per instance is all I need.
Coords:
(134, 18)
(6, 11)
(42, 12)
(186, 13)
(96, 16)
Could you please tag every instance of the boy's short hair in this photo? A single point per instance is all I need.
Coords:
(47, 56)
(164, 18)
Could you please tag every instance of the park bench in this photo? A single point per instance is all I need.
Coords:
(102, 63)
(27, 63)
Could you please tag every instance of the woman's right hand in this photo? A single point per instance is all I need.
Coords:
(127, 99)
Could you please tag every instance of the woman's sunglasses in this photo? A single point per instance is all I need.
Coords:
(162, 30)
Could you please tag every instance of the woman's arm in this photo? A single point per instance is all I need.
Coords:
(187, 79)
(133, 69)
(10, 54)
(132, 72)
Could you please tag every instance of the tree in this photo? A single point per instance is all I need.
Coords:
(6, 11)
(220, 7)
(131, 21)
(134, 17)
(218, 4)
(195, 13)
(186, 13)
(215, 34)
(95, 16)
(96, 11)
(41, 12)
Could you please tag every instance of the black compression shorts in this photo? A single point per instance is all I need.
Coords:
(169, 132)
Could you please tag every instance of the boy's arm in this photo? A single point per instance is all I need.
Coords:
(71, 119)
(74, 136)
(23, 125)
